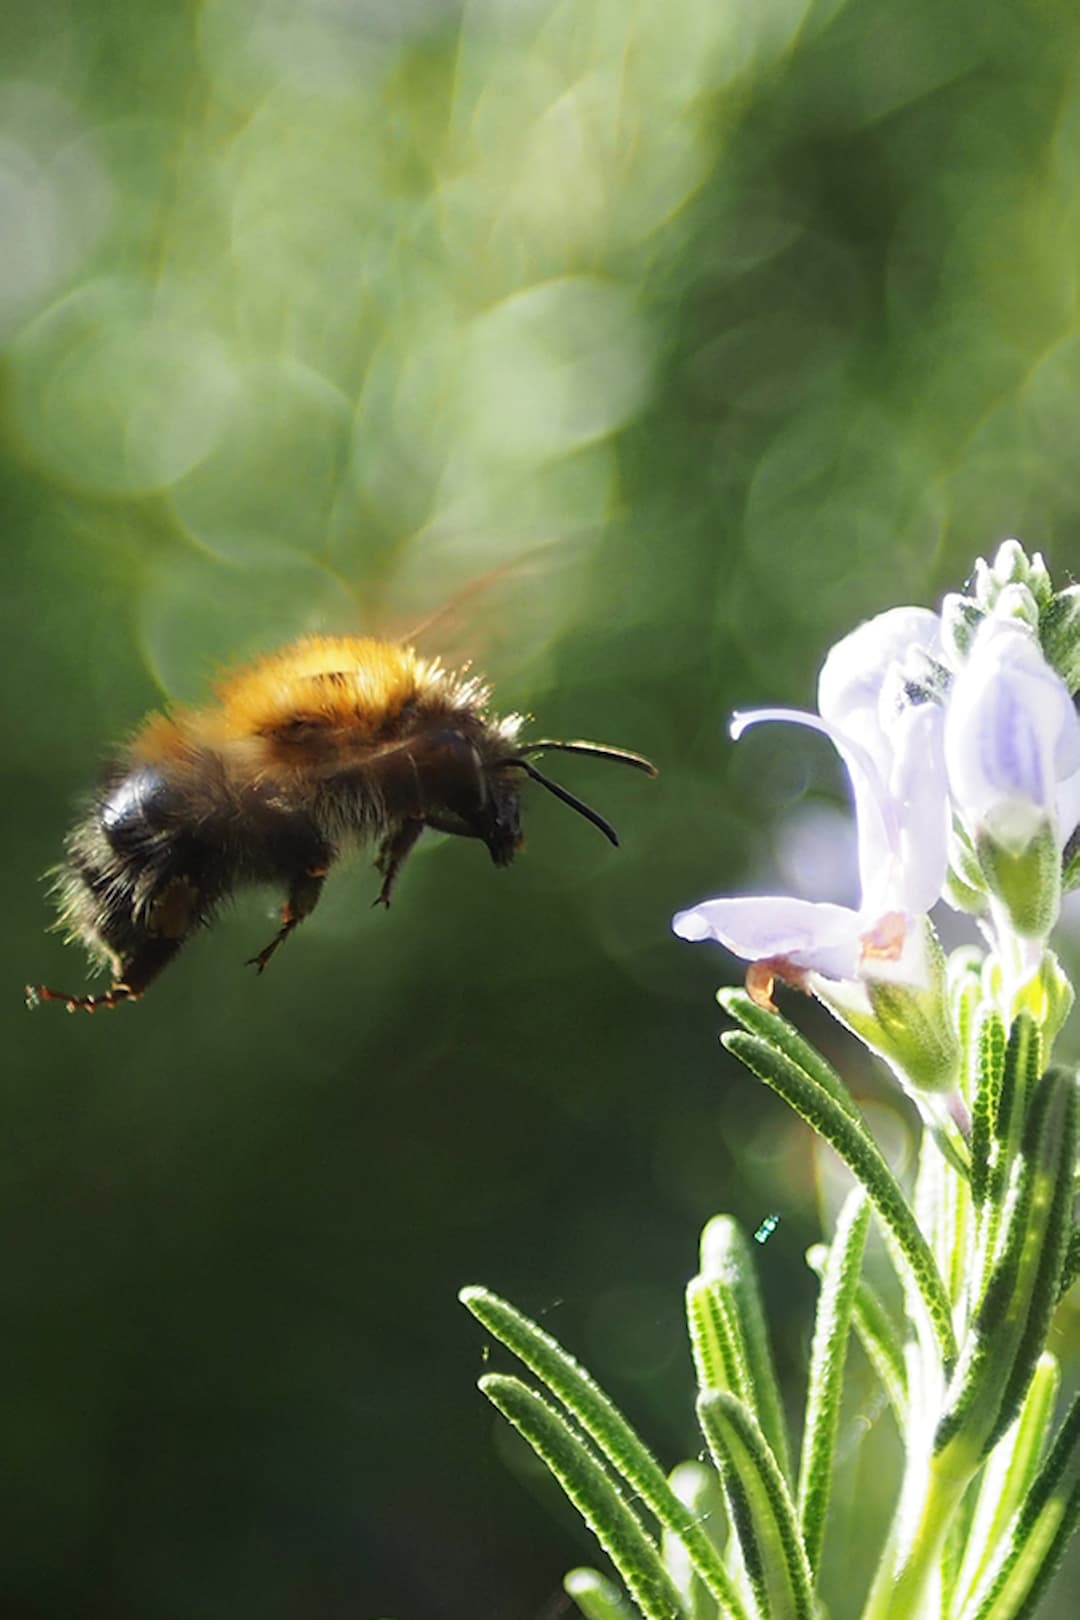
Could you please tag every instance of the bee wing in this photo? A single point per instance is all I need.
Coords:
(501, 618)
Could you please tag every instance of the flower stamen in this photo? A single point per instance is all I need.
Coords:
(761, 980)
(885, 941)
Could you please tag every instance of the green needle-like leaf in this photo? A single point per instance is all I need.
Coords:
(715, 1341)
(760, 1508)
(1009, 1329)
(1042, 1256)
(698, 1488)
(933, 1204)
(863, 1157)
(608, 1428)
(1040, 1534)
(727, 1259)
(964, 975)
(881, 1342)
(1008, 1474)
(828, 1354)
(984, 1113)
(1070, 1269)
(591, 1490)
(775, 1029)
(878, 1335)
(1022, 1067)
(596, 1596)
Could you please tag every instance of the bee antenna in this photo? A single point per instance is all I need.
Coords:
(622, 756)
(568, 798)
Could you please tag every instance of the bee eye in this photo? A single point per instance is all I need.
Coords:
(454, 766)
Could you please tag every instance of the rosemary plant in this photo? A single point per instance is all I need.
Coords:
(962, 742)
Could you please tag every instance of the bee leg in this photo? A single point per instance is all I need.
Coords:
(391, 858)
(36, 993)
(304, 895)
(135, 973)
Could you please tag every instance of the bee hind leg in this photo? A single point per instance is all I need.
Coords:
(304, 893)
(119, 993)
(137, 969)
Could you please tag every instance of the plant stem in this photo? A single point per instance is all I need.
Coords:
(911, 1556)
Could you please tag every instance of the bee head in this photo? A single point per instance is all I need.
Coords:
(478, 798)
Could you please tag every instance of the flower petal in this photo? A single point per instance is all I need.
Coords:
(918, 792)
(1012, 737)
(877, 831)
(853, 674)
(805, 933)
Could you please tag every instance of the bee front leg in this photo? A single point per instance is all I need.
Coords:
(392, 855)
(304, 893)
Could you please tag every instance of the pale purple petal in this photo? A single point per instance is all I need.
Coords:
(1012, 736)
(854, 672)
(877, 832)
(894, 758)
(759, 928)
(918, 791)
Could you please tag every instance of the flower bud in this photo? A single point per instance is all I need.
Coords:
(1060, 633)
(960, 621)
(1017, 602)
(1012, 752)
(1048, 997)
(1011, 566)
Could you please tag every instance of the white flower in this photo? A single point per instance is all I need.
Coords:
(891, 744)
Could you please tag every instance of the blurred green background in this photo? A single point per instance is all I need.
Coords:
(644, 348)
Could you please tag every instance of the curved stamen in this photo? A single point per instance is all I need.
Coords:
(856, 758)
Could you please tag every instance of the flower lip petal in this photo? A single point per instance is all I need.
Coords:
(807, 933)
(692, 925)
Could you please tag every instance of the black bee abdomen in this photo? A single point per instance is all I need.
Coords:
(136, 809)
(140, 874)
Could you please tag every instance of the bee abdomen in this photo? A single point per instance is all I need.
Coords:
(133, 886)
(134, 812)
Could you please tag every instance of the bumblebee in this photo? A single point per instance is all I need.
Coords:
(329, 743)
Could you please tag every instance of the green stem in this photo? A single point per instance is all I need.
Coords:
(911, 1557)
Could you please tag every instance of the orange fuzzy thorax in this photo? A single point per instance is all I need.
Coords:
(355, 681)
(355, 685)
